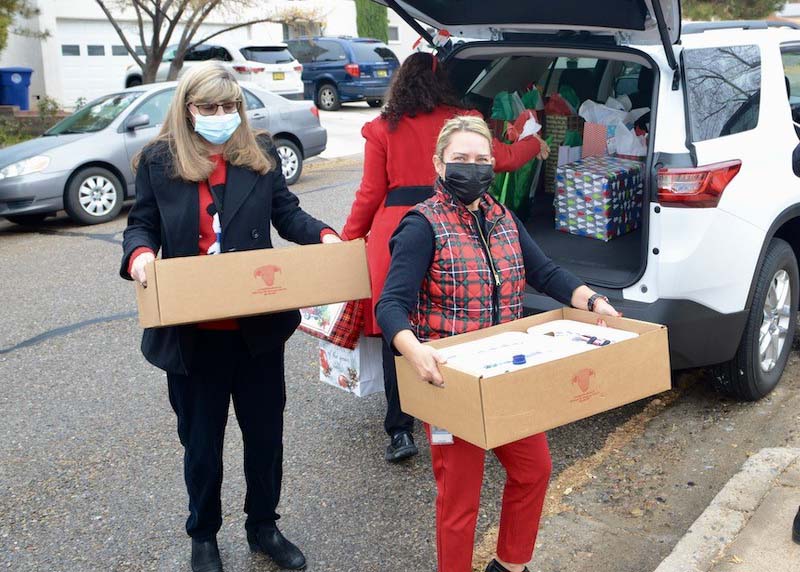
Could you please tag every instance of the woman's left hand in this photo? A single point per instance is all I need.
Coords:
(605, 309)
(330, 239)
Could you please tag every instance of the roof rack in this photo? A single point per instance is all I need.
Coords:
(700, 27)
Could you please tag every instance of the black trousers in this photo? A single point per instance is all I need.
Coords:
(396, 420)
(223, 369)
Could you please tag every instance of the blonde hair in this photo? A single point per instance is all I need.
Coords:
(208, 82)
(459, 124)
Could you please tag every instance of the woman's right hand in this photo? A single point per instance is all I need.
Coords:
(544, 151)
(137, 268)
(426, 360)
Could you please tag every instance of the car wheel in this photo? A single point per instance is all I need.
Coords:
(328, 97)
(94, 196)
(767, 339)
(291, 160)
(374, 102)
(134, 81)
(28, 219)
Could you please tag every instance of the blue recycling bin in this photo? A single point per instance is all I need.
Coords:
(14, 84)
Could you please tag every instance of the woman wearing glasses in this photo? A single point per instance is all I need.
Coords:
(209, 184)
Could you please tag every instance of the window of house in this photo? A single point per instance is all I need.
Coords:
(723, 90)
(70, 50)
(140, 51)
(96, 50)
(394, 34)
(119, 51)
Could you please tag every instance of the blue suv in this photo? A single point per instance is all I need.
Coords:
(341, 69)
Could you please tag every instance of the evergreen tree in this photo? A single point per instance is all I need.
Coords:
(729, 9)
(372, 20)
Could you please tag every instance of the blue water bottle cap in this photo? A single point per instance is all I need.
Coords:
(519, 359)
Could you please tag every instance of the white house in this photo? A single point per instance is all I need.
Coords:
(83, 57)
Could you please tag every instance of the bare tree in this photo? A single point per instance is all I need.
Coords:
(157, 21)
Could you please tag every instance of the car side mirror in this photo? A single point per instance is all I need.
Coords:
(796, 161)
(137, 122)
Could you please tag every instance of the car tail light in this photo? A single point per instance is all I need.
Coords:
(314, 111)
(699, 187)
(298, 68)
(248, 69)
(353, 70)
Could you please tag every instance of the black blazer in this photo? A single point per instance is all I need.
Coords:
(166, 217)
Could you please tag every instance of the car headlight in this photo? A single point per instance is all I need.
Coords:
(25, 167)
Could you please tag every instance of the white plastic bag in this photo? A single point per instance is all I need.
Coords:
(594, 112)
(626, 142)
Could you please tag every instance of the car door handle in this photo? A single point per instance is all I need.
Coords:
(258, 115)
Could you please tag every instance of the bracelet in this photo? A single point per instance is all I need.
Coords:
(593, 300)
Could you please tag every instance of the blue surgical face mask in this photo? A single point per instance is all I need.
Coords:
(217, 129)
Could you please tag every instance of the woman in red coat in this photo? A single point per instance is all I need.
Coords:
(398, 174)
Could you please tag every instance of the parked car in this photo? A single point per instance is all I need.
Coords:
(83, 163)
(341, 69)
(716, 256)
(267, 65)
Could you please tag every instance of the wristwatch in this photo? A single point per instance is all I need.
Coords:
(593, 300)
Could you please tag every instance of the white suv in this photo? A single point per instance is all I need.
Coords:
(268, 65)
(715, 258)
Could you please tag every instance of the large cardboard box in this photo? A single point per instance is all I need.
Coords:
(237, 284)
(489, 412)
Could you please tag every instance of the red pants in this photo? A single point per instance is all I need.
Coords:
(458, 469)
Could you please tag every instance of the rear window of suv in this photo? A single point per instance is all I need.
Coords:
(723, 90)
(267, 54)
(372, 52)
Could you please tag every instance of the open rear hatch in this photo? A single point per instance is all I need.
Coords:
(630, 21)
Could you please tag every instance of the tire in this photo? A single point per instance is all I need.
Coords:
(753, 373)
(375, 102)
(28, 219)
(328, 97)
(134, 81)
(291, 160)
(94, 196)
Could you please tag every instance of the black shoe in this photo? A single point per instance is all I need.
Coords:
(401, 447)
(269, 540)
(205, 556)
(796, 528)
(495, 566)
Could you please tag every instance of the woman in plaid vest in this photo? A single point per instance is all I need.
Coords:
(460, 262)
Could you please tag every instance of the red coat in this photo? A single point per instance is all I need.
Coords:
(404, 158)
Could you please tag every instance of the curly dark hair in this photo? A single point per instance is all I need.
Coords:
(417, 88)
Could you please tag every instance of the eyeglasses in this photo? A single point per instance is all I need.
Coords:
(211, 108)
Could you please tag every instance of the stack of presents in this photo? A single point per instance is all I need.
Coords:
(596, 163)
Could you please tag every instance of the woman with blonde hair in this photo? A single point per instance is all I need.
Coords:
(460, 262)
(208, 184)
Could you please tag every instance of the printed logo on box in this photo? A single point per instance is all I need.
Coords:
(583, 380)
(267, 274)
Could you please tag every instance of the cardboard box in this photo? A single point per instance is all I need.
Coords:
(599, 197)
(237, 284)
(359, 371)
(498, 410)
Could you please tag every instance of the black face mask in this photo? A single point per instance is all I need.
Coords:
(468, 181)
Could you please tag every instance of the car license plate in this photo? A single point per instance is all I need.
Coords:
(381, 73)
(277, 76)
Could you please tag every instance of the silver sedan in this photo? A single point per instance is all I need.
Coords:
(83, 163)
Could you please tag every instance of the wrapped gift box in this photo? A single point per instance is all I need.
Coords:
(599, 197)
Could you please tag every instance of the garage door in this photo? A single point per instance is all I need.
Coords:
(94, 61)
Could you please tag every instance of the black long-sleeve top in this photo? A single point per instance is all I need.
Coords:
(412, 248)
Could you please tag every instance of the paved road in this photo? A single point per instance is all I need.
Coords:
(90, 465)
(344, 129)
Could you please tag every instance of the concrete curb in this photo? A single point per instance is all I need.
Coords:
(729, 512)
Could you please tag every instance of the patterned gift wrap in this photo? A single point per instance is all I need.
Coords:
(599, 197)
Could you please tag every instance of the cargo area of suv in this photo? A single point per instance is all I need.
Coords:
(480, 73)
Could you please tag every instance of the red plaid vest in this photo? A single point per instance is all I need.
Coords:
(460, 293)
